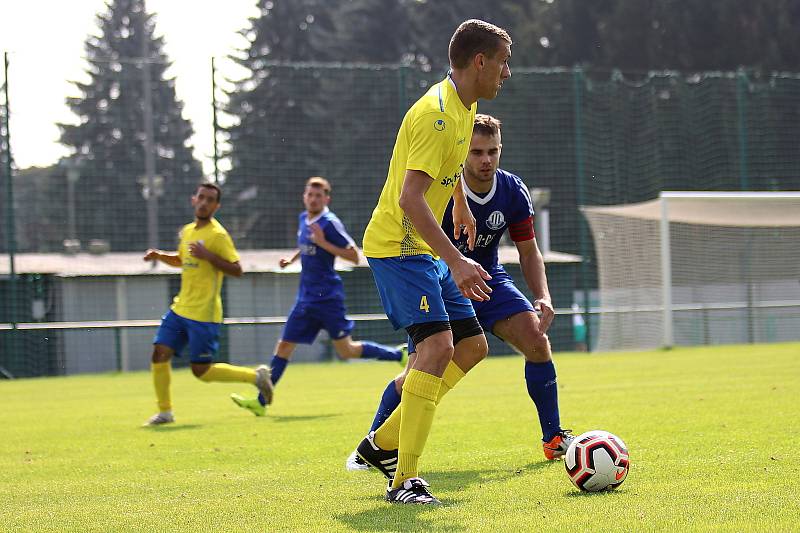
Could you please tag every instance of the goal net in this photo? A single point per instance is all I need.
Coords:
(698, 268)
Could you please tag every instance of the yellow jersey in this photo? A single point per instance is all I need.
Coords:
(434, 138)
(201, 282)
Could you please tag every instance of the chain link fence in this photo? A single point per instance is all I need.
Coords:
(81, 224)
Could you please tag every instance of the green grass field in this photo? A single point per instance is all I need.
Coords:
(711, 432)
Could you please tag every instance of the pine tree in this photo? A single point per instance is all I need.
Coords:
(372, 31)
(687, 35)
(109, 141)
(276, 106)
(435, 22)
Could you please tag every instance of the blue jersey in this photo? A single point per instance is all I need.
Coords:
(318, 279)
(507, 203)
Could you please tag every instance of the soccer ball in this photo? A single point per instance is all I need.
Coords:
(597, 460)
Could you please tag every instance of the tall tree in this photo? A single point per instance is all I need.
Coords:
(275, 107)
(40, 221)
(110, 140)
(689, 35)
(410, 32)
(434, 23)
(372, 31)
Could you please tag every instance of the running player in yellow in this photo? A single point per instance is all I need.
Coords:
(423, 280)
(205, 255)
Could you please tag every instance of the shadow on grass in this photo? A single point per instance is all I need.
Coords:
(396, 517)
(302, 418)
(172, 427)
(575, 493)
(541, 464)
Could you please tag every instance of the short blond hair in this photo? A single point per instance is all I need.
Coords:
(320, 183)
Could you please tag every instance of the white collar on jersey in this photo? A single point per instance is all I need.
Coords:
(450, 79)
(316, 218)
(477, 199)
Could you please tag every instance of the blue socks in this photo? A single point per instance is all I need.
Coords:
(389, 402)
(371, 350)
(278, 365)
(543, 390)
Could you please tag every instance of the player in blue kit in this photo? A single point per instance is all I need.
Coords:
(321, 237)
(500, 201)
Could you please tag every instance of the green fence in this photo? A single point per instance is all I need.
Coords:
(592, 138)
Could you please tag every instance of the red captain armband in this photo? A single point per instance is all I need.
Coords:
(522, 230)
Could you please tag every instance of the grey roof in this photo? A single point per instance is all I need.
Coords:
(131, 263)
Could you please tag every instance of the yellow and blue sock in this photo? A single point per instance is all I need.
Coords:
(278, 365)
(389, 402)
(373, 350)
(387, 436)
(543, 390)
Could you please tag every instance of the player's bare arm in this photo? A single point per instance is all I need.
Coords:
(469, 276)
(168, 258)
(532, 265)
(286, 261)
(463, 220)
(198, 250)
(349, 253)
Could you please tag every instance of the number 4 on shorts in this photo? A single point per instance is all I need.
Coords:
(423, 304)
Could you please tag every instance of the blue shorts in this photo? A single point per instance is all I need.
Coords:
(176, 331)
(307, 318)
(418, 289)
(506, 301)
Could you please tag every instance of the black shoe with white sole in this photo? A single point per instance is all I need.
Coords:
(383, 460)
(414, 490)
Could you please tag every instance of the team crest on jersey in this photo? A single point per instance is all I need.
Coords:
(495, 221)
(439, 125)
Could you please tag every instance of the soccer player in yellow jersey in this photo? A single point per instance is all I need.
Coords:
(205, 255)
(424, 282)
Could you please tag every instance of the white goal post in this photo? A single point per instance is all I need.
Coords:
(692, 268)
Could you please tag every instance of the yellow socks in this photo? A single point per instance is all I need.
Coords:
(227, 373)
(418, 405)
(452, 375)
(162, 376)
(387, 436)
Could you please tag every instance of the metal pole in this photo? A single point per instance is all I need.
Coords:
(578, 84)
(11, 241)
(149, 160)
(73, 174)
(123, 350)
(666, 273)
(401, 92)
(215, 124)
(741, 106)
(71, 231)
(744, 184)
